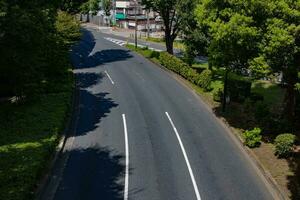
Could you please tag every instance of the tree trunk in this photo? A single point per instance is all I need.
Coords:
(88, 17)
(290, 99)
(225, 91)
(169, 43)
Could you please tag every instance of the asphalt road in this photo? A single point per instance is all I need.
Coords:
(140, 132)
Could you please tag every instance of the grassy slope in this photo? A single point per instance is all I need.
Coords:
(29, 135)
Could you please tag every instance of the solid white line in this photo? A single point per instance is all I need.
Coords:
(186, 158)
(112, 82)
(127, 159)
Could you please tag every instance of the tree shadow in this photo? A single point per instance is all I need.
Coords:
(236, 116)
(92, 173)
(81, 53)
(294, 180)
(94, 105)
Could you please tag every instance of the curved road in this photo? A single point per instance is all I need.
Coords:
(142, 135)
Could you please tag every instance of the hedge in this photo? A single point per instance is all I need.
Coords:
(175, 64)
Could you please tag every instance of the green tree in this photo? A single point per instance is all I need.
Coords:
(92, 6)
(171, 12)
(280, 47)
(195, 38)
(72, 6)
(33, 48)
(107, 6)
(232, 32)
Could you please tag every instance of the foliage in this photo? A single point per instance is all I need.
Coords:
(144, 51)
(72, 6)
(107, 6)
(204, 79)
(90, 6)
(259, 68)
(281, 46)
(34, 64)
(67, 29)
(252, 138)
(284, 144)
(217, 95)
(232, 32)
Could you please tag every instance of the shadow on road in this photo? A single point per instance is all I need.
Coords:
(92, 173)
(83, 56)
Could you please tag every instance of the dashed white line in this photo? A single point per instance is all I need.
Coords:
(126, 160)
(112, 82)
(186, 158)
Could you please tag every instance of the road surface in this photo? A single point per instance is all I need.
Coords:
(142, 135)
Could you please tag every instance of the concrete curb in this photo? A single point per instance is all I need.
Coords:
(270, 182)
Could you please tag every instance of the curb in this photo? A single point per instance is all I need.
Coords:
(44, 181)
(270, 182)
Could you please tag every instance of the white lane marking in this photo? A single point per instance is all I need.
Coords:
(112, 82)
(186, 158)
(127, 159)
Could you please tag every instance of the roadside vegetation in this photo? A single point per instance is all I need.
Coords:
(36, 89)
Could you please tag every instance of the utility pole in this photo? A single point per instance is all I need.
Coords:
(136, 24)
(99, 13)
(114, 12)
(148, 23)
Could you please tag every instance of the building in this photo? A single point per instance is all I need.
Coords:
(127, 12)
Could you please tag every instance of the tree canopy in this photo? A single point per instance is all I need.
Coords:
(34, 42)
(260, 36)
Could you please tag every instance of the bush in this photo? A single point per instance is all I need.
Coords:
(171, 62)
(284, 144)
(155, 54)
(252, 138)
(239, 88)
(204, 79)
(217, 95)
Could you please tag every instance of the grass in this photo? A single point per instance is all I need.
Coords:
(29, 134)
(273, 94)
(177, 44)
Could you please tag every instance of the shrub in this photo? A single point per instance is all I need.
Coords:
(284, 144)
(217, 95)
(252, 138)
(204, 79)
(146, 52)
(239, 88)
(155, 54)
(175, 64)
